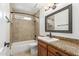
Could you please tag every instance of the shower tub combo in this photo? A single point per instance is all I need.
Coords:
(24, 46)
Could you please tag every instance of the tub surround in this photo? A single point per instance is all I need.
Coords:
(64, 44)
(22, 48)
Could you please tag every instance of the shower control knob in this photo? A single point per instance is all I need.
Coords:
(6, 44)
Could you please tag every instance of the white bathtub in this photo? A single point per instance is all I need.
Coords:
(22, 46)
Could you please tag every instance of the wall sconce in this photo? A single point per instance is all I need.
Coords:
(52, 7)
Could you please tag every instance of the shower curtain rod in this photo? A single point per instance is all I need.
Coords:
(24, 13)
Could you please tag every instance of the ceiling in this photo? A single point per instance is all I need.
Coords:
(30, 8)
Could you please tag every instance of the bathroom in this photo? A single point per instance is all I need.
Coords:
(39, 29)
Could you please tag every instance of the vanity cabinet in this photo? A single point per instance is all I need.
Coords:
(45, 49)
(42, 48)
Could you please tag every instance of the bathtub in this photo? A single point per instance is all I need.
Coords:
(22, 46)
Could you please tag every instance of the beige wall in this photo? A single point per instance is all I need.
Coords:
(37, 27)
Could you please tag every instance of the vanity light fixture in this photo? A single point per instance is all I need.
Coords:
(52, 6)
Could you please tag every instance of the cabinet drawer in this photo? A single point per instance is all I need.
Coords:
(42, 44)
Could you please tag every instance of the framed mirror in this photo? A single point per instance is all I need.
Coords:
(59, 21)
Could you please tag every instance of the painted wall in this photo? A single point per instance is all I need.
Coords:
(75, 12)
(4, 28)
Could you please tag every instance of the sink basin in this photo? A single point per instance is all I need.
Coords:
(48, 39)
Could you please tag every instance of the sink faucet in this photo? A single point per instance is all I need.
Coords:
(50, 35)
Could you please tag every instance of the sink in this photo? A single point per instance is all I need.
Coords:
(48, 39)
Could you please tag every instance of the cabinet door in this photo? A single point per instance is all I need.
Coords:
(42, 51)
(59, 53)
(56, 52)
(50, 53)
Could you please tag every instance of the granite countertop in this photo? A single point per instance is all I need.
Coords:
(66, 46)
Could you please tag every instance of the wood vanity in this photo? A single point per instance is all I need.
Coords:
(46, 49)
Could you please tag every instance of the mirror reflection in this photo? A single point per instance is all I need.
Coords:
(58, 21)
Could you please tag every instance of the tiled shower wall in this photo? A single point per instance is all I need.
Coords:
(22, 30)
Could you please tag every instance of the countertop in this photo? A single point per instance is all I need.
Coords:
(66, 46)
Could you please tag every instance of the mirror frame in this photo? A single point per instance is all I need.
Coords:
(69, 7)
